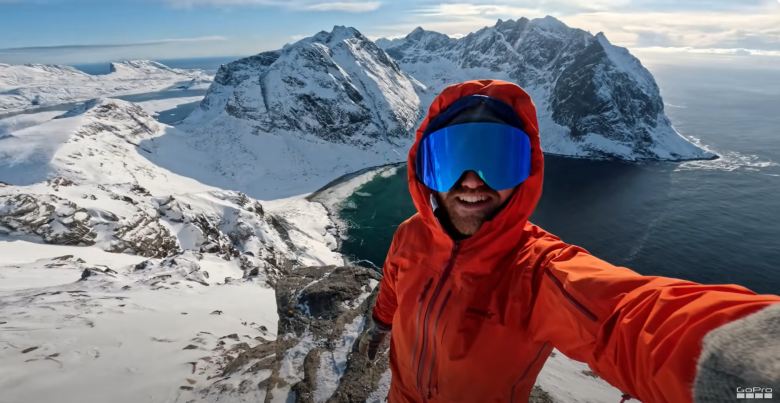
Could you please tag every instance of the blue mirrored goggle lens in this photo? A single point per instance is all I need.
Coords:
(500, 154)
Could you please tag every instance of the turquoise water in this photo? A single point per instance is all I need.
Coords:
(712, 222)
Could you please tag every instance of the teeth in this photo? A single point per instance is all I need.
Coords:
(472, 198)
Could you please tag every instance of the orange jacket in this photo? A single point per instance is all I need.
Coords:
(475, 320)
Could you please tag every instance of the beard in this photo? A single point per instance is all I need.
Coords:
(468, 209)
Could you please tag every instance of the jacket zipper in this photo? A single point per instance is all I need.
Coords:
(418, 330)
(426, 317)
(525, 371)
(577, 304)
(433, 365)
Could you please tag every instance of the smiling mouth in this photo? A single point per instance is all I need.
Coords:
(473, 201)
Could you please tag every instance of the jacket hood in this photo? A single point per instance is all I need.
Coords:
(505, 229)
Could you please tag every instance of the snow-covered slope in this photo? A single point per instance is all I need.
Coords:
(137, 263)
(123, 281)
(594, 99)
(85, 178)
(32, 86)
(338, 86)
(327, 105)
(126, 279)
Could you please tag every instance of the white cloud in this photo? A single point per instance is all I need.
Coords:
(747, 27)
(710, 51)
(758, 30)
(167, 48)
(460, 10)
(71, 47)
(454, 19)
(350, 6)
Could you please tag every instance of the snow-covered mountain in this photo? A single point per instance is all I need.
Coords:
(30, 86)
(336, 102)
(322, 107)
(186, 288)
(594, 99)
(85, 178)
(124, 281)
(338, 86)
(145, 261)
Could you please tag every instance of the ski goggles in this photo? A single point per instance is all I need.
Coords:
(500, 155)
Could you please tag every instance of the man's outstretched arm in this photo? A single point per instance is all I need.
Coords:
(643, 334)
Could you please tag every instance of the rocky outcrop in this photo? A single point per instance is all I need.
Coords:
(143, 234)
(54, 219)
(101, 190)
(594, 99)
(322, 311)
(338, 86)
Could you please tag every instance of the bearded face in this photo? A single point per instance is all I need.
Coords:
(471, 202)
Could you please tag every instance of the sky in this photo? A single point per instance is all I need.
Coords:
(89, 31)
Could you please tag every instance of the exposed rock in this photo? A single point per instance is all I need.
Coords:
(336, 85)
(54, 219)
(55, 183)
(539, 395)
(320, 309)
(93, 271)
(594, 99)
(144, 235)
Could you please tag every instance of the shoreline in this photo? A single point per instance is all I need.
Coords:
(333, 194)
(337, 191)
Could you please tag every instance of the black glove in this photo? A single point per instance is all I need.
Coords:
(372, 339)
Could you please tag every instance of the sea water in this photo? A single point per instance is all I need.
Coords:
(707, 221)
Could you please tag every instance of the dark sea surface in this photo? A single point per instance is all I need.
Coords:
(708, 221)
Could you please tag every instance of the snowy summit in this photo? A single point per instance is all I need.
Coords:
(32, 86)
(142, 261)
(594, 99)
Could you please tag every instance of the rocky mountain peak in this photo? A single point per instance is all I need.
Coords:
(418, 38)
(420, 34)
(549, 23)
(341, 32)
(416, 33)
(338, 34)
(593, 98)
(510, 23)
(297, 112)
(335, 85)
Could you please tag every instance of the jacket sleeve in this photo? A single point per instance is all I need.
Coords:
(642, 334)
(386, 303)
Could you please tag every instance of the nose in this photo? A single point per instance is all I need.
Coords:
(471, 180)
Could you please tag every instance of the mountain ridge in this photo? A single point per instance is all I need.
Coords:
(32, 86)
(201, 293)
(594, 99)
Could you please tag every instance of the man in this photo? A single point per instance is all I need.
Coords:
(476, 297)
